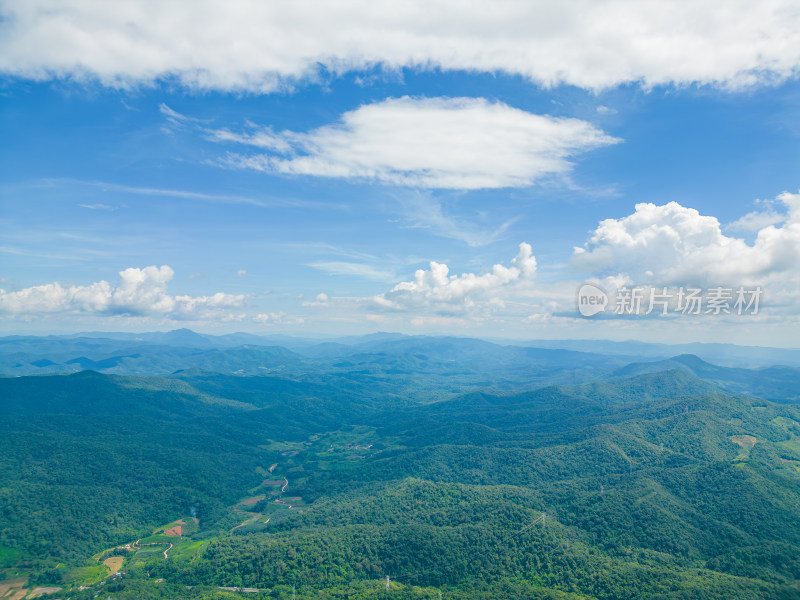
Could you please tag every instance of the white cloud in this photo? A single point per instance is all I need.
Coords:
(139, 292)
(262, 46)
(321, 299)
(675, 245)
(453, 143)
(205, 307)
(241, 273)
(605, 110)
(350, 268)
(437, 290)
(269, 318)
(756, 220)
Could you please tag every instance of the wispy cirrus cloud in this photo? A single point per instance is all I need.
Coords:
(99, 206)
(429, 143)
(424, 211)
(585, 43)
(121, 189)
(336, 267)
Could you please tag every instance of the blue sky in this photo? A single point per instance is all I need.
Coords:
(288, 178)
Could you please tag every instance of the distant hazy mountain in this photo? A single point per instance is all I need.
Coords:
(780, 384)
(725, 354)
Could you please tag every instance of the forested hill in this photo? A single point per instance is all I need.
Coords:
(646, 482)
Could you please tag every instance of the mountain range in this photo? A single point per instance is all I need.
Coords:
(455, 466)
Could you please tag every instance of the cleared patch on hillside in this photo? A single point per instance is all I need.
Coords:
(114, 564)
(41, 591)
(252, 501)
(746, 443)
(10, 585)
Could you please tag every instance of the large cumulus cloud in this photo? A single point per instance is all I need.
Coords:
(673, 244)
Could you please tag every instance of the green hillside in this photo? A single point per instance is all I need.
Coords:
(658, 485)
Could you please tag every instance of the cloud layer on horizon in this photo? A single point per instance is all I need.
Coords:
(668, 245)
(139, 292)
